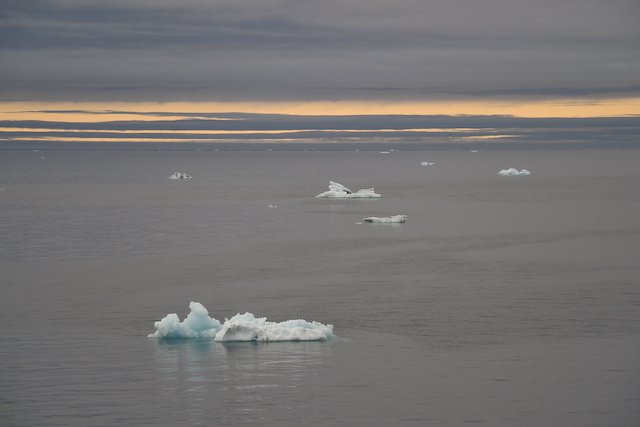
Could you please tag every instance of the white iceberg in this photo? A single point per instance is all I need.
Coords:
(513, 172)
(427, 163)
(180, 175)
(339, 191)
(246, 327)
(388, 219)
(241, 327)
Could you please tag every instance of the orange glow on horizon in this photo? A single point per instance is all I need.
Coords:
(118, 111)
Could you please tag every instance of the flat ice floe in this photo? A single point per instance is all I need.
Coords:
(180, 175)
(387, 219)
(513, 172)
(427, 163)
(339, 191)
(241, 327)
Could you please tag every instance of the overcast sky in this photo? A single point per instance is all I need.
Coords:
(574, 58)
(303, 50)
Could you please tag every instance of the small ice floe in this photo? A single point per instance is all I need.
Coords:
(339, 191)
(272, 206)
(427, 163)
(241, 327)
(180, 175)
(514, 172)
(388, 219)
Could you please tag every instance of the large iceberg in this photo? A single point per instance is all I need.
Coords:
(241, 327)
(387, 219)
(513, 172)
(339, 191)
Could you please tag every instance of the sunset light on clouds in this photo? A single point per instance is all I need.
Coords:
(284, 63)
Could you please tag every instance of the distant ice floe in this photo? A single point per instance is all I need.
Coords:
(513, 172)
(241, 327)
(180, 175)
(427, 163)
(388, 219)
(339, 191)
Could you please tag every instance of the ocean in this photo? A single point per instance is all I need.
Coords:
(501, 301)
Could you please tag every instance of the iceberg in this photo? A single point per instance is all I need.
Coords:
(388, 219)
(180, 175)
(513, 172)
(241, 327)
(339, 191)
(246, 327)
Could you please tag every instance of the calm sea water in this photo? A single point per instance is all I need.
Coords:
(501, 301)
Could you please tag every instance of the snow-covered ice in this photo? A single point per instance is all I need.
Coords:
(241, 327)
(180, 175)
(513, 172)
(339, 191)
(387, 219)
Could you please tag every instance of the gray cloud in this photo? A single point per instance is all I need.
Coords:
(239, 50)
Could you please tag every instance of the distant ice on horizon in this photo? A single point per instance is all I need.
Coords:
(180, 175)
(514, 172)
(389, 219)
(241, 327)
(427, 163)
(339, 191)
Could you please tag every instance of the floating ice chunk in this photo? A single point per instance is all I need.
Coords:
(197, 324)
(339, 191)
(241, 327)
(180, 175)
(246, 327)
(388, 219)
(427, 163)
(513, 172)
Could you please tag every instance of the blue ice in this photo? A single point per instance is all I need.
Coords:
(241, 327)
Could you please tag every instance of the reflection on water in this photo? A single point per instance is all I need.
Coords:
(242, 381)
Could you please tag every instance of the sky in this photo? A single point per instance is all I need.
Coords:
(279, 70)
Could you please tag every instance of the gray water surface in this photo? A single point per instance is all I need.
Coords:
(501, 301)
